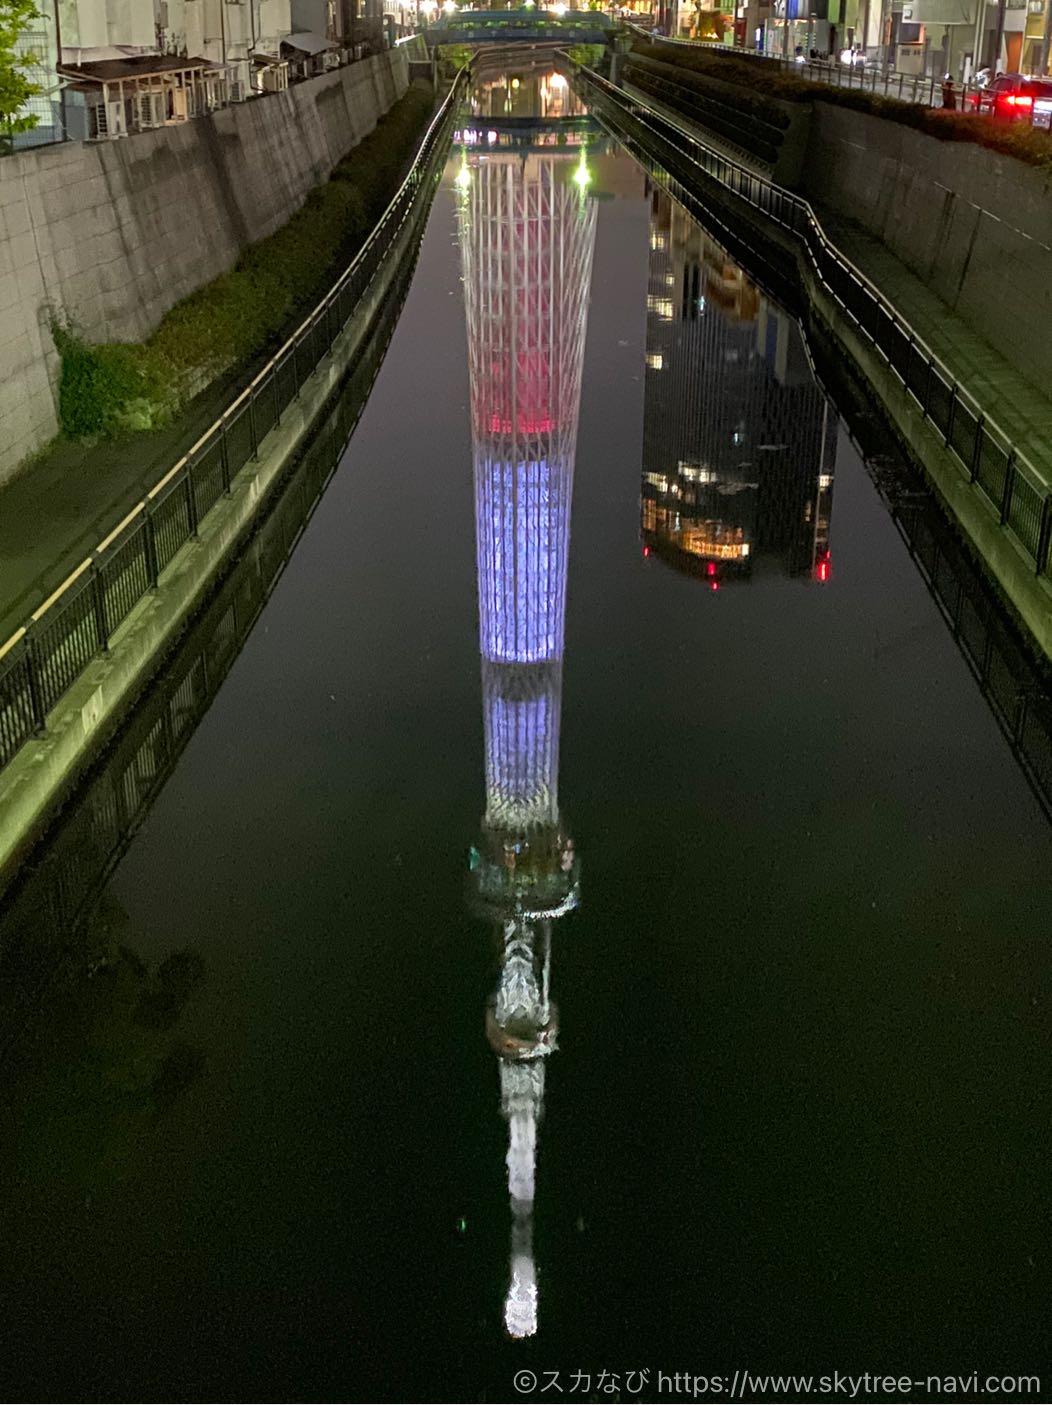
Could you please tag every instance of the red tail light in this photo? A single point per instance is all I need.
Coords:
(1019, 100)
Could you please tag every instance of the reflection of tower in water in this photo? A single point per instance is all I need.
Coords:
(526, 236)
(739, 443)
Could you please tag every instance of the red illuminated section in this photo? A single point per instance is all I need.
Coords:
(524, 424)
(823, 568)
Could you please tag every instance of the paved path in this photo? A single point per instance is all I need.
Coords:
(64, 502)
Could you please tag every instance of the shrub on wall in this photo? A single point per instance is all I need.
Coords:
(117, 386)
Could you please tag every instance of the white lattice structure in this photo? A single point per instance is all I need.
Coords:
(526, 233)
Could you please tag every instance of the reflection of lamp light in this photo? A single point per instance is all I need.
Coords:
(449, 6)
(559, 10)
(462, 179)
(557, 81)
(582, 175)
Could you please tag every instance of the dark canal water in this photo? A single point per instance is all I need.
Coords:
(647, 972)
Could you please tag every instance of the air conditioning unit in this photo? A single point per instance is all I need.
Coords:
(115, 124)
(152, 110)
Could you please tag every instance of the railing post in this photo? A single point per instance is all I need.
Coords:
(950, 416)
(36, 697)
(191, 502)
(98, 601)
(1044, 535)
(977, 448)
(224, 457)
(252, 423)
(1006, 495)
(151, 548)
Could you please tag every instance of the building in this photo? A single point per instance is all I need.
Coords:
(110, 67)
(527, 231)
(739, 442)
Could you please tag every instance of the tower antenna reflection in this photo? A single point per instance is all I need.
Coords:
(526, 236)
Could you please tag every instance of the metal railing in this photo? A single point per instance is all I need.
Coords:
(1011, 485)
(919, 88)
(78, 621)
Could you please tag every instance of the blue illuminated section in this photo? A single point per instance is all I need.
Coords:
(521, 712)
(523, 535)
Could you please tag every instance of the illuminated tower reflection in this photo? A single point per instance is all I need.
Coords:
(526, 235)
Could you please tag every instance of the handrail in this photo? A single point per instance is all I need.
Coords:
(999, 482)
(76, 620)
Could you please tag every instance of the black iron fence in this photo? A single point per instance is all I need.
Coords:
(78, 621)
(1013, 487)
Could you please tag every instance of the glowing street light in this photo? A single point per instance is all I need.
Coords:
(462, 179)
(559, 10)
(582, 175)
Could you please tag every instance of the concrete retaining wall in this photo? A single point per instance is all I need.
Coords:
(37, 778)
(976, 226)
(112, 234)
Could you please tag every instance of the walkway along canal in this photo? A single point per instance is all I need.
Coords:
(600, 727)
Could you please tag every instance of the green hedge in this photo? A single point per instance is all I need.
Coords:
(119, 386)
(1025, 143)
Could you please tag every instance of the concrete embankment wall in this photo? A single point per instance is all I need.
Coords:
(976, 226)
(110, 235)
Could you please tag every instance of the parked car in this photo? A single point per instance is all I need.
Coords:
(1012, 97)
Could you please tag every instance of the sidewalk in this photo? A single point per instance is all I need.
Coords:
(1012, 402)
(62, 504)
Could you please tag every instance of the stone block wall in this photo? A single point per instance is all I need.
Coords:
(110, 235)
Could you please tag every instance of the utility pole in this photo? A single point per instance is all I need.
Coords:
(999, 34)
(977, 38)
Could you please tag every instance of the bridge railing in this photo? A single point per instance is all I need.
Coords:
(983, 452)
(78, 621)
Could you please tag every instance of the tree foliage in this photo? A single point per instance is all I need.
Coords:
(15, 88)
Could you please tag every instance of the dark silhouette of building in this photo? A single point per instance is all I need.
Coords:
(739, 442)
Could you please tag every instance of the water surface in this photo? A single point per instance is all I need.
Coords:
(598, 802)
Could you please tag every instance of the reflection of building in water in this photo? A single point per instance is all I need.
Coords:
(526, 233)
(532, 89)
(739, 443)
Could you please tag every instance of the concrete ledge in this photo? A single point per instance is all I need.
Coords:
(35, 781)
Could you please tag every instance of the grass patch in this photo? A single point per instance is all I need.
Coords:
(116, 387)
(1019, 140)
